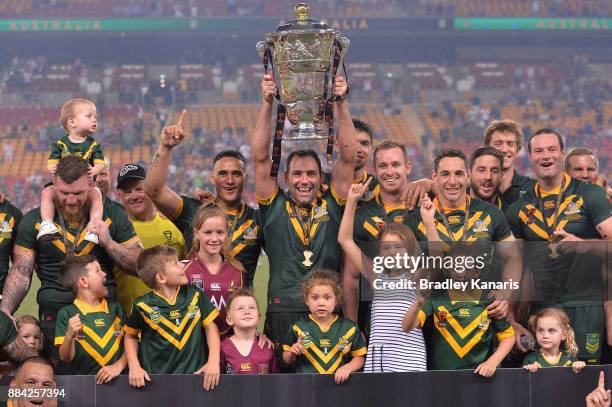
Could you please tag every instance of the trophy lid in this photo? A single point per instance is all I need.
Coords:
(302, 20)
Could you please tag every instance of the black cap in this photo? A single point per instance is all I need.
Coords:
(130, 171)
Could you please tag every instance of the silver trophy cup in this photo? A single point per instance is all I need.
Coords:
(302, 53)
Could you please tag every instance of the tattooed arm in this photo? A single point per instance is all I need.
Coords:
(18, 351)
(18, 279)
(123, 254)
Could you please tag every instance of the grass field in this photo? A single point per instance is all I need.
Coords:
(29, 306)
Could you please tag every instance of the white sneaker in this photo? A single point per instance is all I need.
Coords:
(92, 237)
(47, 228)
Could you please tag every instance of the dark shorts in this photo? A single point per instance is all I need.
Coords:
(588, 324)
(276, 328)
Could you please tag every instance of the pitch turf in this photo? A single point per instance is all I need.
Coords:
(29, 305)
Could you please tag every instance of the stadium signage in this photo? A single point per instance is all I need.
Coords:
(533, 24)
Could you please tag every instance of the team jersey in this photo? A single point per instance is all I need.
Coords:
(10, 217)
(518, 186)
(90, 150)
(258, 361)
(290, 257)
(570, 280)
(8, 332)
(537, 357)
(325, 350)
(50, 254)
(373, 188)
(246, 239)
(217, 287)
(101, 341)
(462, 335)
(172, 335)
(158, 231)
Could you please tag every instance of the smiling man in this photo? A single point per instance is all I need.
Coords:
(301, 225)
(506, 136)
(152, 229)
(582, 164)
(566, 220)
(229, 175)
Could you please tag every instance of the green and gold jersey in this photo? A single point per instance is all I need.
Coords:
(537, 357)
(519, 185)
(462, 334)
(570, 279)
(296, 251)
(247, 237)
(157, 231)
(10, 217)
(8, 332)
(325, 349)
(90, 150)
(50, 254)
(172, 330)
(101, 341)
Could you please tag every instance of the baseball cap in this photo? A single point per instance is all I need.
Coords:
(130, 171)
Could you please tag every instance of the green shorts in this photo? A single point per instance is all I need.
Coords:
(588, 325)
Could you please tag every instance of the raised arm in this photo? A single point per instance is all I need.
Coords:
(123, 254)
(344, 167)
(18, 279)
(164, 198)
(265, 185)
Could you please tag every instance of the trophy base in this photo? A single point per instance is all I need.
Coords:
(307, 131)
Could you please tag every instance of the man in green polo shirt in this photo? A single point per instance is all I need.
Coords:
(229, 175)
(118, 245)
(565, 223)
(301, 225)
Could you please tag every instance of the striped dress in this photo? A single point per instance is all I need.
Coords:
(390, 349)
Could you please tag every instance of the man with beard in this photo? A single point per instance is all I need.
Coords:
(118, 245)
(470, 223)
(10, 216)
(150, 226)
(102, 182)
(486, 172)
(506, 137)
(565, 220)
(229, 177)
(301, 225)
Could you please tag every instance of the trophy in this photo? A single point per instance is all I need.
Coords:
(303, 56)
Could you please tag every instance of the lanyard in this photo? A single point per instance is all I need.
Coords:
(65, 236)
(466, 219)
(550, 230)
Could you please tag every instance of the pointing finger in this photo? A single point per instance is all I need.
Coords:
(179, 124)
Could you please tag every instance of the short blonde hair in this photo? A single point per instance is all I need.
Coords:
(68, 110)
(504, 126)
(152, 261)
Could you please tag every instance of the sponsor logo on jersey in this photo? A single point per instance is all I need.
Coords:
(250, 234)
(484, 323)
(592, 343)
(196, 281)
(175, 314)
(343, 344)
(441, 323)
(117, 328)
(454, 219)
(6, 230)
(155, 315)
(324, 343)
(306, 339)
(229, 369)
(398, 219)
(246, 367)
(464, 312)
(215, 286)
(168, 235)
(549, 204)
(192, 311)
(99, 322)
(480, 227)
(321, 214)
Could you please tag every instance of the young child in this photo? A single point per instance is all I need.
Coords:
(462, 335)
(169, 320)
(390, 349)
(29, 330)
(551, 329)
(78, 117)
(89, 332)
(324, 343)
(240, 353)
(211, 266)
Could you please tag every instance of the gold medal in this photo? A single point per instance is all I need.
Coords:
(307, 255)
(552, 246)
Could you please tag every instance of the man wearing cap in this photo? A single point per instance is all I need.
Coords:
(229, 177)
(152, 228)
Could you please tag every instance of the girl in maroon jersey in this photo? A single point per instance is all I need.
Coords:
(211, 267)
(239, 352)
